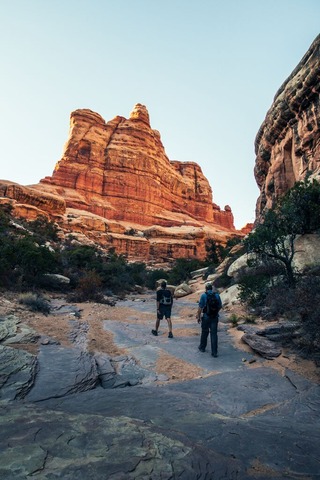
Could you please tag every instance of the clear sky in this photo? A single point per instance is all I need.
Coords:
(207, 71)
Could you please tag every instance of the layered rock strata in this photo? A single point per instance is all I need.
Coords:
(288, 142)
(115, 186)
(121, 169)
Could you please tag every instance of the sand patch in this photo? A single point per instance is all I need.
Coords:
(176, 369)
(287, 360)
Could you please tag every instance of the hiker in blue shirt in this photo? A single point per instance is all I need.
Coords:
(209, 306)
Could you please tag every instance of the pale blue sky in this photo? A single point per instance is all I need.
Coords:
(207, 71)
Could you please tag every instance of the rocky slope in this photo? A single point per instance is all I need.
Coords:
(288, 142)
(115, 186)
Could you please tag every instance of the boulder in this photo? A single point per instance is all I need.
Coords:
(105, 369)
(230, 295)
(182, 290)
(199, 273)
(54, 380)
(17, 373)
(240, 264)
(264, 347)
(54, 280)
(8, 327)
(307, 248)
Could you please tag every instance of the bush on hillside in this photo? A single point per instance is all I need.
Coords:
(23, 260)
(35, 302)
(301, 305)
(255, 284)
(43, 230)
(153, 275)
(88, 289)
(182, 268)
(217, 252)
(298, 212)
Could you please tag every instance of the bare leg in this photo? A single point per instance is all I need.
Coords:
(169, 324)
(157, 324)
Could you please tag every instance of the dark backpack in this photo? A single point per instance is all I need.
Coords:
(166, 297)
(213, 305)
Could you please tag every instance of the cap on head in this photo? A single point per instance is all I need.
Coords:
(208, 286)
(163, 284)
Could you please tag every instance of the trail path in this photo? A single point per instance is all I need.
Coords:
(191, 417)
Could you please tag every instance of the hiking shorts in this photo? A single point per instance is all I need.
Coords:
(164, 311)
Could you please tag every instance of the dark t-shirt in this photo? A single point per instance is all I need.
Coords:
(164, 293)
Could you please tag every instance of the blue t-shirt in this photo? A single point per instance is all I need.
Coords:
(203, 298)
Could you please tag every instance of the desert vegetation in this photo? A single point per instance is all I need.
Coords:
(274, 287)
(34, 259)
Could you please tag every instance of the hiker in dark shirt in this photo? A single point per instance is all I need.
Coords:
(164, 306)
(209, 320)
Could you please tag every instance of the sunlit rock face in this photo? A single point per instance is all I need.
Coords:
(288, 142)
(115, 186)
(123, 172)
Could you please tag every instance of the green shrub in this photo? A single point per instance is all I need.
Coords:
(88, 288)
(35, 302)
(234, 320)
(80, 257)
(32, 260)
(22, 259)
(255, 284)
(253, 289)
(249, 319)
(137, 272)
(153, 275)
(5, 219)
(298, 212)
(302, 305)
(217, 252)
(301, 204)
(182, 268)
(43, 230)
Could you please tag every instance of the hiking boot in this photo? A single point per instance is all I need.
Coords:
(154, 332)
(170, 335)
(214, 355)
(201, 349)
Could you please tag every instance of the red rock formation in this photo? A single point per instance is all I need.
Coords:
(247, 228)
(288, 142)
(123, 173)
(48, 202)
(116, 187)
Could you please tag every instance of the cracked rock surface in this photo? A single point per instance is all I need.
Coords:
(66, 412)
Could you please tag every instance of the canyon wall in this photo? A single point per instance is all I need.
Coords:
(288, 142)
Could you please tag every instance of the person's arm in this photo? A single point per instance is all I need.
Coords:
(202, 303)
(157, 301)
(198, 316)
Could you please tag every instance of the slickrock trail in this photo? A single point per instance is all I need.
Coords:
(104, 399)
